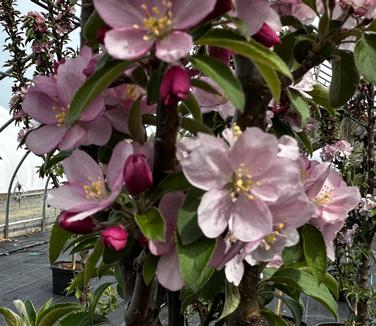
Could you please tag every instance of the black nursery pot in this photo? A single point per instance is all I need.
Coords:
(330, 323)
(62, 275)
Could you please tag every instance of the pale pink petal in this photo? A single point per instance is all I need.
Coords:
(45, 84)
(168, 272)
(187, 14)
(234, 271)
(45, 139)
(253, 13)
(159, 248)
(115, 169)
(214, 212)
(173, 47)
(81, 169)
(69, 199)
(73, 138)
(118, 118)
(98, 132)
(39, 106)
(119, 13)
(251, 219)
(127, 43)
(86, 213)
(93, 110)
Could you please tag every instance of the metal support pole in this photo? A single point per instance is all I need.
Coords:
(6, 227)
(43, 223)
(6, 124)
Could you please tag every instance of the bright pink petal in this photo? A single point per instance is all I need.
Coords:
(69, 199)
(73, 138)
(45, 139)
(93, 110)
(39, 106)
(45, 84)
(173, 47)
(168, 272)
(253, 13)
(251, 219)
(127, 43)
(98, 132)
(81, 169)
(187, 14)
(214, 212)
(119, 13)
(115, 169)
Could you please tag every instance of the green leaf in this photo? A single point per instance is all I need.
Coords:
(191, 104)
(76, 282)
(111, 256)
(21, 310)
(365, 57)
(272, 318)
(314, 251)
(152, 224)
(31, 312)
(10, 317)
(149, 268)
(94, 86)
(58, 238)
(345, 78)
(232, 300)
(250, 49)
(311, 3)
(320, 96)
(92, 261)
(93, 24)
(299, 103)
(188, 228)
(57, 311)
(195, 126)
(193, 262)
(331, 284)
(222, 75)
(271, 79)
(294, 306)
(307, 283)
(82, 318)
(291, 255)
(96, 296)
(135, 126)
(306, 140)
(205, 86)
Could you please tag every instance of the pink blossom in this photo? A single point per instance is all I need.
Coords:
(337, 152)
(139, 25)
(221, 54)
(175, 86)
(366, 205)
(267, 36)
(296, 8)
(366, 8)
(137, 174)
(168, 271)
(115, 237)
(48, 101)
(79, 227)
(241, 177)
(86, 192)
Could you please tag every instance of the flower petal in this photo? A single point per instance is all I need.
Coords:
(118, 118)
(93, 110)
(115, 169)
(214, 212)
(173, 47)
(45, 139)
(253, 13)
(187, 14)
(98, 132)
(251, 220)
(127, 43)
(168, 272)
(234, 271)
(73, 138)
(119, 13)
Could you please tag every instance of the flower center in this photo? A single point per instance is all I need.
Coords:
(60, 114)
(243, 182)
(95, 190)
(269, 240)
(132, 92)
(157, 22)
(323, 198)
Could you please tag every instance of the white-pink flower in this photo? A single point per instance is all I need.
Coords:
(241, 177)
(139, 25)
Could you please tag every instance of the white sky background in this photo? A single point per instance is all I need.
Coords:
(24, 6)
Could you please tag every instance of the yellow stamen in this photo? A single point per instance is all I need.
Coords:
(323, 198)
(157, 23)
(242, 182)
(60, 114)
(95, 190)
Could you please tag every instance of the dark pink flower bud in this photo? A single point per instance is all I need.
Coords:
(267, 36)
(221, 7)
(102, 33)
(115, 237)
(175, 86)
(137, 174)
(221, 54)
(79, 227)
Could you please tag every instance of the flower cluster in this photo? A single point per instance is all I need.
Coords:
(339, 151)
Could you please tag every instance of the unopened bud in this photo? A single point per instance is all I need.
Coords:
(267, 36)
(115, 237)
(137, 174)
(78, 227)
(175, 86)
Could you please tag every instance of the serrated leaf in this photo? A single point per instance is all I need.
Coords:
(272, 80)
(232, 300)
(90, 266)
(152, 224)
(365, 57)
(300, 104)
(93, 24)
(320, 96)
(222, 75)
(314, 251)
(58, 238)
(135, 126)
(94, 87)
(149, 268)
